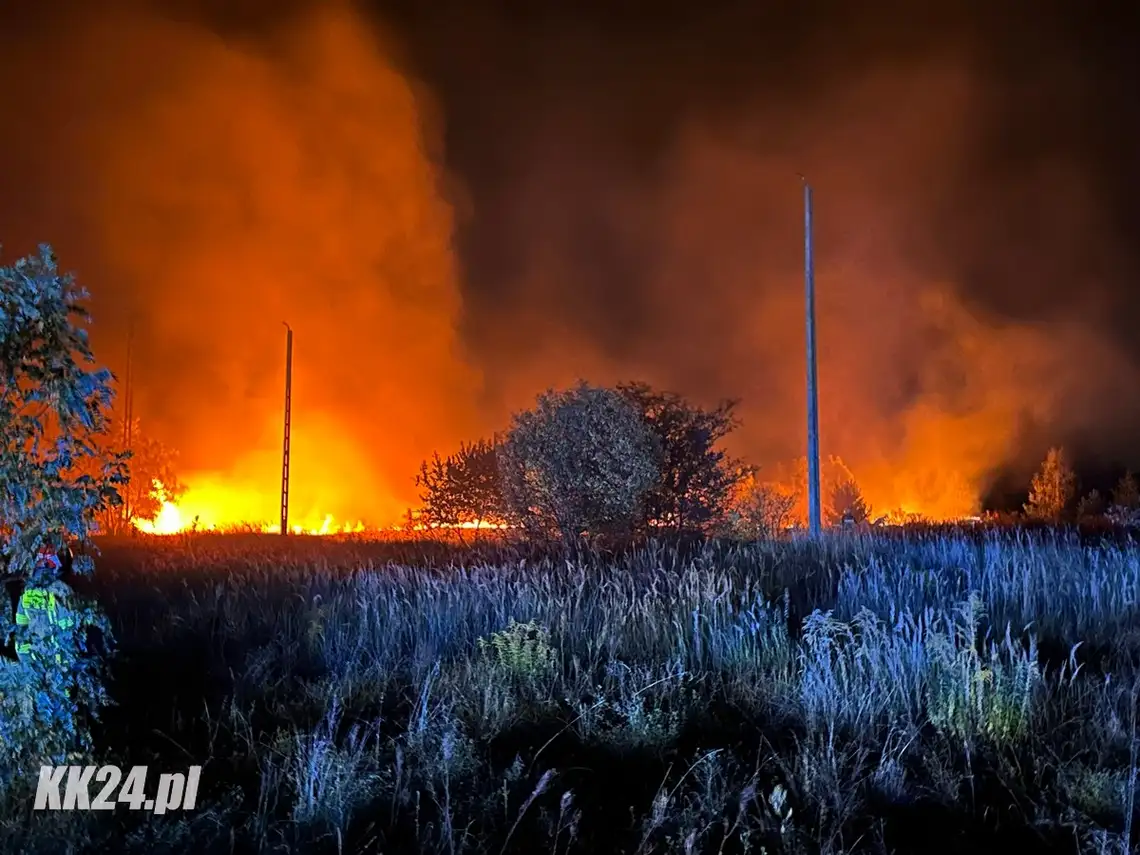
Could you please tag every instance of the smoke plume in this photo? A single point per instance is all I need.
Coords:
(633, 212)
(225, 187)
(690, 274)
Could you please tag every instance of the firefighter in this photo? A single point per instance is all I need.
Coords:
(42, 613)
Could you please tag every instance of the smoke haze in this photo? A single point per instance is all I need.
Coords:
(924, 393)
(229, 187)
(461, 209)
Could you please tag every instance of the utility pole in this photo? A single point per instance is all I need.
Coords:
(128, 414)
(814, 524)
(285, 449)
(129, 392)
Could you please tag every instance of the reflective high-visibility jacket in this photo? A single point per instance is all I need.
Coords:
(41, 614)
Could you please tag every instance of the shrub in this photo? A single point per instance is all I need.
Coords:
(1125, 507)
(1126, 495)
(1091, 506)
(582, 460)
(761, 510)
(522, 649)
(696, 478)
(150, 461)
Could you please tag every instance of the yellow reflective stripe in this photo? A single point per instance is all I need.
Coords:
(41, 601)
(35, 598)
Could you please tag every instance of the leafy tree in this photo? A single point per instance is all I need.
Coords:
(846, 504)
(582, 459)
(1091, 506)
(761, 509)
(838, 487)
(463, 488)
(1052, 489)
(150, 461)
(697, 477)
(1126, 496)
(1125, 504)
(53, 407)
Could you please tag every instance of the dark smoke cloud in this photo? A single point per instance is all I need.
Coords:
(973, 243)
(925, 391)
(630, 208)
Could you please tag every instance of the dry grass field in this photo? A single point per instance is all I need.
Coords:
(904, 692)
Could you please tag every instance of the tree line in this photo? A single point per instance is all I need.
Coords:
(632, 459)
(616, 461)
(1053, 496)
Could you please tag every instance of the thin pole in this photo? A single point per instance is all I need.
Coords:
(285, 448)
(814, 523)
(129, 392)
(128, 415)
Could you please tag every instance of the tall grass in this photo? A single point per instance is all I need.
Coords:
(860, 694)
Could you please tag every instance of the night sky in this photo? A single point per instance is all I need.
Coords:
(621, 181)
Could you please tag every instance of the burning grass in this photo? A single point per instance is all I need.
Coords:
(904, 692)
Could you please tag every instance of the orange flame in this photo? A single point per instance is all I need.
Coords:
(209, 510)
(205, 509)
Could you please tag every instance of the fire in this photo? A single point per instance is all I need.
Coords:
(919, 494)
(239, 501)
(206, 510)
(168, 520)
(199, 510)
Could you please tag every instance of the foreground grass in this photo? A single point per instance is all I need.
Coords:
(934, 693)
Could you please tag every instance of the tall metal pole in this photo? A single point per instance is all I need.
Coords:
(814, 523)
(285, 448)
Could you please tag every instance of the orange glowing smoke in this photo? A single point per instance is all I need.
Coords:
(241, 183)
(898, 497)
(926, 391)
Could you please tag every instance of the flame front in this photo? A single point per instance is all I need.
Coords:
(205, 510)
(168, 520)
(202, 510)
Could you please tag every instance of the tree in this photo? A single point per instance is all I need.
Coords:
(150, 461)
(846, 504)
(463, 488)
(1052, 489)
(1125, 504)
(1091, 506)
(582, 459)
(839, 491)
(1126, 496)
(761, 509)
(697, 477)
(53, 408)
